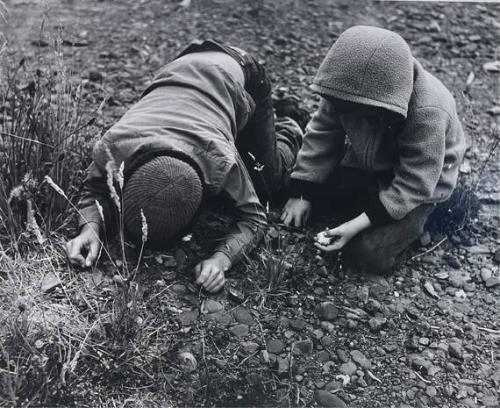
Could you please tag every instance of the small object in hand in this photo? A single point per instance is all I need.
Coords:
(322, 239)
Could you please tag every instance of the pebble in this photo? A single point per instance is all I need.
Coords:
(327, 399)
(275, 346)
(458, 278)
(348, 368)
(376, 323)
(455, 350)
(431, 391)
(249, 347)
(242, 315)
(188, 317)
(360, 358)
(298, 324)
(239, 330)
(211, 306)
(496, 257)
(486, 274)
(327, 311)
(424, 341)
(303, 347)
(492, 282)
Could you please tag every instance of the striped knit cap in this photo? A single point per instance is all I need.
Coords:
(169, 192)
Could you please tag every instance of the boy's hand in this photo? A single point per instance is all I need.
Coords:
(335, 239)
(210, 272)
(296, 212)
(86, 242)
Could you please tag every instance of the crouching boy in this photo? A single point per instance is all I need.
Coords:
(385, 143)
(204, 127)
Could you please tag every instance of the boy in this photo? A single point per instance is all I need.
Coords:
(204, 127)
(386, 141)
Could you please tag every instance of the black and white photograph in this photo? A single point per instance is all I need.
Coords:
(250, 203)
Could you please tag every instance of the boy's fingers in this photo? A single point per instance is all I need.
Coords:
(93, 253)
(216, 283)
(203, 274)
(211, 277)
(74, 253)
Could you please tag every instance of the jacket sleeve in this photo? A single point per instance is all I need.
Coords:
(95, 190)
(421, 159)
(250, 221)
(322, 150)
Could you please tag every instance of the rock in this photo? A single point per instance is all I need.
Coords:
(188, 317)
(431, 391)
(492, 66)
(336, 385)
(490, 401)
(458, 278)
(453, 261)
(424, 341)
(326, 311)
(420, 363)
(95, 76)
(211, 306)
(496, 257)
(430, 290)
(373, 306)
(242, 315)
(275, 346)
(187, 361)
(343, 356)
(298, 324)
(235, 295)
(327, 367)
(455, 350)
(179, 288)
(348, 368)
(326, 399)
(494, 111)
(360, 358)
(486, 274)
(249, 347)
(283, 365)
(376, 323)
(239, 330)
(49, 282)
(303, 347)
(492, 282)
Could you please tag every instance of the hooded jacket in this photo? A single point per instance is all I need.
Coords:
(423, 150)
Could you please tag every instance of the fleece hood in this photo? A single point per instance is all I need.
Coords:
(370, 66)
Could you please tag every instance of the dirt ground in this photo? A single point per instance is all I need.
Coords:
(426, 336)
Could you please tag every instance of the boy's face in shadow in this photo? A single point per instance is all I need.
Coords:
(371, 113)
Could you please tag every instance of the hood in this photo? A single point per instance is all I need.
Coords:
(370, 66)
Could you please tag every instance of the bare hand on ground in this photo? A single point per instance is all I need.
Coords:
(210, 272)
(296, 212)
(84, 249)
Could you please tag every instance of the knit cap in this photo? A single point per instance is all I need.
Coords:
(370, 66)
(169, 192)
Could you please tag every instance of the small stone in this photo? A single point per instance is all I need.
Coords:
(239, 330)
(348, 368)
(458, 278)
(235, 295)
(376, 323)
(283, 365)
(490, 401)
(275, 346)
(424, 341)
(430, 290)
(492, 282)
(431, 391)
(326, 311)
(188, 317)
(420, 363)
(496, 257)
(249, 347)
(49, 282)
(319, 384)
(303, 347)
(455, 350)
(298, 324)
(486, 274)
(327, 399)
(360, 358)
(299, 378)
(179, 288)
(211, 306)
(95, 76)
(242, 315)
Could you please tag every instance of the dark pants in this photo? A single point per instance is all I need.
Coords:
(267, 146)
(376, 249)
